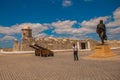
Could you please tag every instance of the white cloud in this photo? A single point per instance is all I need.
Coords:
(115, 23)
(66, 27)
(92, 23)
(10, 30)
(117, 14)
(63, 26)
(115, 30)
(114, 26)
(41, 35)
(66, 3)
(16, 29)
(114, 33)
(88, 27)
(7, 38)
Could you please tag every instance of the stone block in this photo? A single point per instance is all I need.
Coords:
(102, 51)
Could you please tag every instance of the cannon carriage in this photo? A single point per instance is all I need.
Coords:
(40, 51)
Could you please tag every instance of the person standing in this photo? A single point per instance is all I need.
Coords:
(75, 52)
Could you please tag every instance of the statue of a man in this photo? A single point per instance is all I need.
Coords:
(101, 31)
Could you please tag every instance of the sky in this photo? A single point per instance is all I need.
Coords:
(74, 19)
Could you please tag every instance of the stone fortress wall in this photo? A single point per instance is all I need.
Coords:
(64, 43)
(55, 43)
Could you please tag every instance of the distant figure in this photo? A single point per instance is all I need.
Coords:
(75, 49)
(101, 31)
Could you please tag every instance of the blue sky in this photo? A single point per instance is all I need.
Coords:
(58, 18)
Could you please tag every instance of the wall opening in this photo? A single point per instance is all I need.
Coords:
(83, 45)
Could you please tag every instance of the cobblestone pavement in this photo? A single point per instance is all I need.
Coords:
(60, 67)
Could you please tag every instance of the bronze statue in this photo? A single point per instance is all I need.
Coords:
(101, 31)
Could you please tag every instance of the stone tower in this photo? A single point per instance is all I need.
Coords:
(27, 38)
(26, 32)
(16, 46)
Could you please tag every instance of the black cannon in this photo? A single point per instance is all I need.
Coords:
(40, 51)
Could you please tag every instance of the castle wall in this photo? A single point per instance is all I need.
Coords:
(57, 44)
(114, 43)
(54, 43)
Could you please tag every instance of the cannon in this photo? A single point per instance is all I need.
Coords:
(40, 51)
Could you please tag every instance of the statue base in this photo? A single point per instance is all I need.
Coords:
(102, 51)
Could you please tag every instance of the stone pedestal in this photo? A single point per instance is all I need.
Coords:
(102, 51)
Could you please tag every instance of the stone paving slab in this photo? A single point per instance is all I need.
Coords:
(60, 67)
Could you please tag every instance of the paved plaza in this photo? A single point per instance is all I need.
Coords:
(60, 67)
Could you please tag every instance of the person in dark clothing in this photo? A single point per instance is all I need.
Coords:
(75, 49)
(101, 31)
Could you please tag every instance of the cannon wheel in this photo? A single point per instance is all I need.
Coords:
(35, 53)
(38, 54)
(52, 54)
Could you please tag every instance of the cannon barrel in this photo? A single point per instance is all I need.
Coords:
(40, 51)
(34, 47)
(39, 47)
